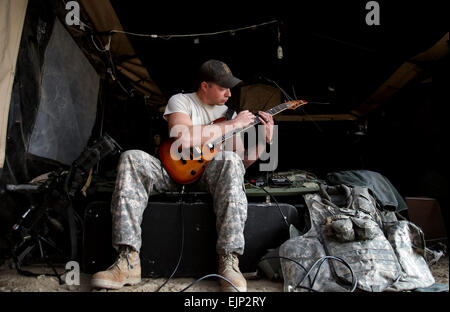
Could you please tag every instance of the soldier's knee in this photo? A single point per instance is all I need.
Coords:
(228, 155)
(233, 156)
(230, 160)
(141, 159)
(133, 154)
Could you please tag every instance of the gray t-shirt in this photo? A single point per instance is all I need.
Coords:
(191, 105)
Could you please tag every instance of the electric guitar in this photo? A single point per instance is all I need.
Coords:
(187, 165)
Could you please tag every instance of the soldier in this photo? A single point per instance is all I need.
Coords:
(140, 173)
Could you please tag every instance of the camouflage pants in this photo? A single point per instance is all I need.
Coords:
(139, 174)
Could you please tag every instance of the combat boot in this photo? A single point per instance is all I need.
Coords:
(125, 271)
(229, 268)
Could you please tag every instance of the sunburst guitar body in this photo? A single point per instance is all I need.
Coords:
(186, 165)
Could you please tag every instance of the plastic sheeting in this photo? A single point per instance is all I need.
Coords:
(27, 101)
(68, 103)
(12, 15)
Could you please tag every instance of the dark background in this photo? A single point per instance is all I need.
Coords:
(324, 44)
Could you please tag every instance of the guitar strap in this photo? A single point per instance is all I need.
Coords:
(229, 114)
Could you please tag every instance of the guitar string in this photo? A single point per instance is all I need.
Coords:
(250, 126)
(233, 133)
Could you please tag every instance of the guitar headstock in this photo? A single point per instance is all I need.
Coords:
(296, 104)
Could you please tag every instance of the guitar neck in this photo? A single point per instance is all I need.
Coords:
(273, 111)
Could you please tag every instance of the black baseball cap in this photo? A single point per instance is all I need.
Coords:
(219, 73)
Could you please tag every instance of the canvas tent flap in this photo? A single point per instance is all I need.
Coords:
(12, 15)
(102, 15)
(408, 71)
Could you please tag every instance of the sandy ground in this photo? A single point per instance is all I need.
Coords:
(11, 281)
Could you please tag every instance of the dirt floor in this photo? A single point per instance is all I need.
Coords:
(11, 281)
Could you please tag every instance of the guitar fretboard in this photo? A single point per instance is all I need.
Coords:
(273, 111)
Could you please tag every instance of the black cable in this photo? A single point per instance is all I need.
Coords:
(319, 262)
(317, 273)
(181, 254)
(288, 97)
(207, 276)
(182, 241)
(276, 202)
(286, 258)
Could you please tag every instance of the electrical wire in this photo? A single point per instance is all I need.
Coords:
(106, 49)
(112, 66)
(155, 36)
(182, 242)
(289, 98)
(207, 276)
(100, 49)
(276, 202)
(318, 262)
(181, 255)
(321, 260)
(289, 259)
(167, 37)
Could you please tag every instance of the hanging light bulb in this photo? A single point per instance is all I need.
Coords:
(280, 52)
(280, 49)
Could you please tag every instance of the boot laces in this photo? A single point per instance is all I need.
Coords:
(123, 255)
(228, 260)
(127, 256)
